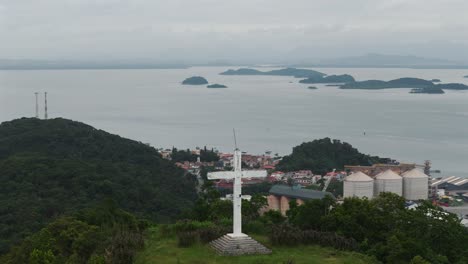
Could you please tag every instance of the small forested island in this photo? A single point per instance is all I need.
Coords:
(298, 73)
(397, 83)
(427, 90)
(420, 85)
(466, 76)
(216, 85)
(312, 88)
(344, 78)
(195, 80)
(453, 86)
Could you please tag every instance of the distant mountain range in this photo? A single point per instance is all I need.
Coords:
(388, 61)
(13, 64)
(370, 60)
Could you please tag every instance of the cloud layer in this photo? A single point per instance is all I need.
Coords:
(239, 31)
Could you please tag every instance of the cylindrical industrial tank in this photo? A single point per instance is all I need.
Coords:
(388, 181)
(358, 184)
(415, 185)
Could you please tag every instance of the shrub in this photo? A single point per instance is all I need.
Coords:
(166, 230)
(272, 217)
(188, 238)
(289, 235)
(123, 247)
(255, 227)
(207, 235)
(285, 234)
(189, 225)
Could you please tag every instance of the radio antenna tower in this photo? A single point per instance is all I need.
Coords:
(45, 106)
(37, 104)
(235, 140)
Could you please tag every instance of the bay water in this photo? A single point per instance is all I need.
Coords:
(272, 113)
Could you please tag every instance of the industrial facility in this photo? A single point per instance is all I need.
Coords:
(388, 181)
(359, 185)
(412, 184)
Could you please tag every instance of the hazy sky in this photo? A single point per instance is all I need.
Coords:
(243, 30)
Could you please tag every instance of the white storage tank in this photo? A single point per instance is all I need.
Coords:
(415, 185)
(388, 181)
(358, 184)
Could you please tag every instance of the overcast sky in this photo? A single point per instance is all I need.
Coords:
(244, 30)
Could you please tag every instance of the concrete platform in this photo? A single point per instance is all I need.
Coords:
(229, 245)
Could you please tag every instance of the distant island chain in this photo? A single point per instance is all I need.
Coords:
(343, 81)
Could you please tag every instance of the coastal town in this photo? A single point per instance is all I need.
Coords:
(410, 180)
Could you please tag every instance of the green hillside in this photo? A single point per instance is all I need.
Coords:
(323, 155)
(50, 168)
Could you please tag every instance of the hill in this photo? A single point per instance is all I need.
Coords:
(164, 250)
(31, 64)
(402, 83)
(397, 83)
(298, 73)
(216, 85)
(374, 60)
(323, 155)
(452, 86)
(50, 168)
(344, 78)
(195, 80)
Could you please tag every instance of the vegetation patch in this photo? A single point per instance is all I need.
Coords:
(56, 167)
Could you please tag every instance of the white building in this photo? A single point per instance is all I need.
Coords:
(388, 181)
(359, 185)
(415, 185)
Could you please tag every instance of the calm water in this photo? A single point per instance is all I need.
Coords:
(269, 113)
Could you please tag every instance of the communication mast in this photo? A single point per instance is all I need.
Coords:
(37, 104)
(45, 106)
(427, 167)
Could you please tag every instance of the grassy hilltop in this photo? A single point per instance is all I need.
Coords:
(165, 250)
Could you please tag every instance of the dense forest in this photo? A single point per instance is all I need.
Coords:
(50, 168)
(324, 155)
(382, 228)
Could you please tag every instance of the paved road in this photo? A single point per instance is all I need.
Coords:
(459, 210)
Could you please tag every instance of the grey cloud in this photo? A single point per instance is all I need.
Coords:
(206, 30)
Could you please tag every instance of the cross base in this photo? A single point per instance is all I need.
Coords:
(238, 244)
(237, 235)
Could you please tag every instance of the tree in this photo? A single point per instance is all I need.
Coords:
(40, 257)
(309, 215)
(92, 236)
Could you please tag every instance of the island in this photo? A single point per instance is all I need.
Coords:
(195, 80)
(216, 85)
(344, 78)
(435, 80)
(466, 76)
(297, 73)
(397, 83)
(312, 88)
(418, 85)
(453, 86)
(427, 90)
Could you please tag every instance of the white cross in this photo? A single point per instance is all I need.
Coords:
(237, 175)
